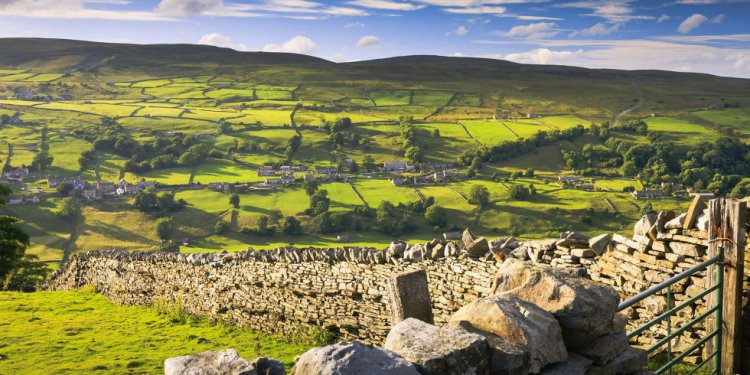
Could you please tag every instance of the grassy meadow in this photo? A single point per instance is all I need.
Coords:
(89, 334)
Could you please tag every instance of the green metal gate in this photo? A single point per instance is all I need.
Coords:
(666, 342)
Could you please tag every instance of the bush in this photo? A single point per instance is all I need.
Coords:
(518, 192)
(221, 227)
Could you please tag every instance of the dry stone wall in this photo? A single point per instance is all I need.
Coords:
(277, 291)
(346, 290)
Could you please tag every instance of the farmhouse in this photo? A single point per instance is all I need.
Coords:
(272, 182)
(55, 181)
(648, 194)
(286, 180)
(326, 170)
(106, 187)
(92, 194)
(570, 179)
(266, 170)
(395, 166)
(21, 199)
(17, 173)
(588, 186)
(396, 181)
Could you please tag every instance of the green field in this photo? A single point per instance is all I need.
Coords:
(376, 191)
(451, 108)
(488, 132)
(89, 334)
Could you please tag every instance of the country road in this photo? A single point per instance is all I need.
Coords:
(640, 103)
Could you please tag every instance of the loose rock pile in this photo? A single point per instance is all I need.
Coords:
(539, 320)
(225, 362)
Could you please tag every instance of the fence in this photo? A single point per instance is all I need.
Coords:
(723, 294)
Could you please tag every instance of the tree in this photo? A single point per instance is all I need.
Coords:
(164, 228)
(310, 186)
(292, 226)
(14, 240)
(436, 216)
(368, 163)
(41, 160)
(263, 227)
(64, 188)
(479, 195)
(70, 210)
(146, 201)
(319, 202)
(518, 192)
(221, 227)
(234, 200)
(530, 172)
(414, 153)
(647, 209)
(28, 275)
(225, 127)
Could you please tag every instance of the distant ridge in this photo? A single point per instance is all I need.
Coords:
(65, 54)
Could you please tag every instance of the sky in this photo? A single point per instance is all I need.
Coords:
(708, 36)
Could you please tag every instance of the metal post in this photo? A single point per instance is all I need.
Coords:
(669, 327)
(719, 300)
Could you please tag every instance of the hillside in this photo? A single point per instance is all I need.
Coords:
(203, 122)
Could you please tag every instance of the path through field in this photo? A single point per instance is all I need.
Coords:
(640, 103)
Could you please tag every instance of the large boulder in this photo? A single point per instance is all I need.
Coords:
(438, 350)
(225, 362)
(534, 330)
(583, 307)
(352, 358)
(575, 364)
(506, 357)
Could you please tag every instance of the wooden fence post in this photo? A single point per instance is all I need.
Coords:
(714, 223)
(734, 215)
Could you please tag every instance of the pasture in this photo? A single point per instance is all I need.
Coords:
(88, 333)
(375, 191)
(488, 132)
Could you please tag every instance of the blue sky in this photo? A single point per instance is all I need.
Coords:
(711, 36)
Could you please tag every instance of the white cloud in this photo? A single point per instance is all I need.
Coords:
(386, 4)
(611, 10)
(598, 29)
(460, 31)
(189, 8)
(368, 41)
(629, 55)
(354, 25)
(663, 18)
(73, 9)
(718, 19)
(544, 56)
(299, 44)
(537, 30)
(477, 10)
(692, 23)
(216, 39)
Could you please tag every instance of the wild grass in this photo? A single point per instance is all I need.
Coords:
(89, 334)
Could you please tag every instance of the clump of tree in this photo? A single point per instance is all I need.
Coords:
(18, 270)
(234, 200)
(70, 211)
(479, 196)
(518, 192)
(165, 228)
(149, 201)
(263, 228)
(292, 226)
(341, 133)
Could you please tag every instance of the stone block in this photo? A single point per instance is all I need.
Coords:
(410, 297)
